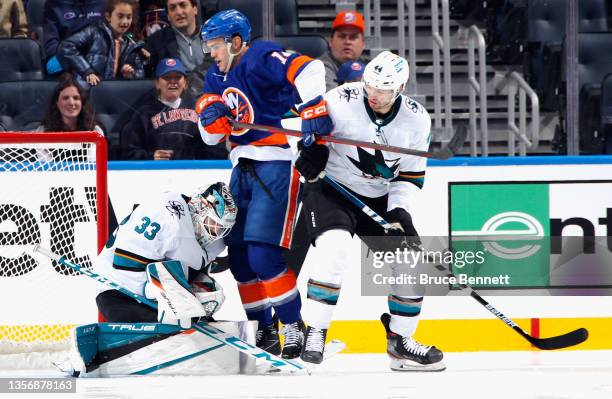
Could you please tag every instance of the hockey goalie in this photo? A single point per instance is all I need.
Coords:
(162, 252)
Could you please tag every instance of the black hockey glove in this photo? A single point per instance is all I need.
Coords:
(403, 218)
(311, 160)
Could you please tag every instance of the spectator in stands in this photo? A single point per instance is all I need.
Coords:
(13, 20)
(102, 50)
(64, 18)
(166, 127)
(153, 17)
(350, 71)
(181, 40)
(346, 43)
(69, 109)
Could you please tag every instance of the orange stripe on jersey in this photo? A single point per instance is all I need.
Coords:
(131, 258)
(187, 332)
(292, 204)
(412, 175)
(252, 292)
(295, 66)
(273, 139)
(280, 285)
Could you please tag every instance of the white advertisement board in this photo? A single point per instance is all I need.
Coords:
(73, 300)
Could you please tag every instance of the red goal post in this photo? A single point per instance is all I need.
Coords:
(54, 193)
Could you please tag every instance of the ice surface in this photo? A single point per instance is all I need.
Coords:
(495, 375)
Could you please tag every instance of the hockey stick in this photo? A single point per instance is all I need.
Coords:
(562, 341)
(206, 329)
(447, 152)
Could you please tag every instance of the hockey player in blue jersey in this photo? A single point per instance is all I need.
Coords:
(259, 83)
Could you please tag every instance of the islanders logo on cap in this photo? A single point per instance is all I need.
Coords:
(355, 66)
(240, 107)
(349, 18)
(170, 62)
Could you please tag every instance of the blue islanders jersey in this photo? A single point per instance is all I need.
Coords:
(259, 89)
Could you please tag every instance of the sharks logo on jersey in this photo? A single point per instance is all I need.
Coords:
(375, 165)
(240, 106)
(175, 208)
(349, 93)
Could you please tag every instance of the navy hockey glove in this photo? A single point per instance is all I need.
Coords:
(315, 120)
(213, 114)
(311, 160)
(403, 218)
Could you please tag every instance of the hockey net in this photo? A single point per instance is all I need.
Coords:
(53, 194)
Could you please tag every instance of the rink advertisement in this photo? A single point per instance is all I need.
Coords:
(543, 234)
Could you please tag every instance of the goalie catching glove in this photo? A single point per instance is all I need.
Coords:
(177, 301)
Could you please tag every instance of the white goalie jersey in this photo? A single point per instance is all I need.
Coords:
(374, 173)
(157, 230)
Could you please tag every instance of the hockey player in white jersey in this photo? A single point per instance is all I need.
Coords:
(174, 236)
(373, 110)
(161, 252)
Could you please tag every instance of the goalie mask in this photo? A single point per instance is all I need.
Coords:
(213, 212)
(385, 77)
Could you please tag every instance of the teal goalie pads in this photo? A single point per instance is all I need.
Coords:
(121, 349)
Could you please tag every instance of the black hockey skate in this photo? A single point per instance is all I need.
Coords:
(267, 339)
(314, 345)
(294, 339)
(406, 354)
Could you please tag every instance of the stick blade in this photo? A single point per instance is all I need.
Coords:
(562, 341)
(455, 144)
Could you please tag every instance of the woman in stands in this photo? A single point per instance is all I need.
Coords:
(68, 110)
(105, 50)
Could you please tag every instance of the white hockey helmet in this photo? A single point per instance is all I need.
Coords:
(213, 212)
(387, 71)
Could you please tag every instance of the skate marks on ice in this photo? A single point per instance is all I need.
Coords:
(499, 375)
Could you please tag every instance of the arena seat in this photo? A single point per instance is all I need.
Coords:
(23, 103)
(285, 15)
(594, 64)
(35, 10)
(545, 35)
(606, 113)
(310, 45)
(20, 59)
(114, 102)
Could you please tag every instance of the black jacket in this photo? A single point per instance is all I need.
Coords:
(92, 50)
(162, 44)
(155, 126)
(65, 17)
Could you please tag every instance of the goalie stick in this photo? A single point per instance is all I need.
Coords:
(453, 146)
(212, 332)
(561, 341)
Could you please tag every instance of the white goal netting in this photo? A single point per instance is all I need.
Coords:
(50, 186)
